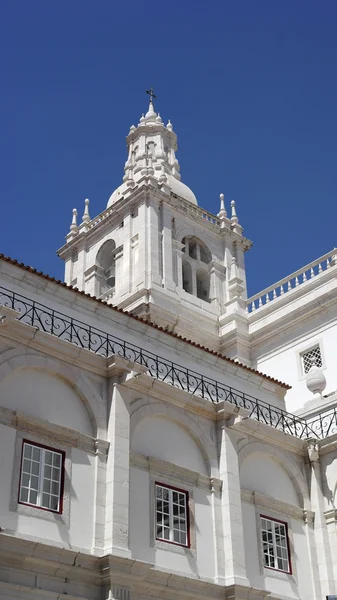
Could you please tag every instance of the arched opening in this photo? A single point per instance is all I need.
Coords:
(187, 277)
(196, 268)
(105, 262)
(203, 284)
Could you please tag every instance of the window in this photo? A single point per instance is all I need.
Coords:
(196, 268)
(310, 358)
(275, 547)
(171, 515)
(41, 477)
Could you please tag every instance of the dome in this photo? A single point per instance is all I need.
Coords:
(179, 188)
(117, 194)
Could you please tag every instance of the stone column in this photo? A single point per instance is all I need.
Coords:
(178, 263)
(217, 285)
(326, 576)
(167, 249)
(125, 284)
(118, 471)
(232, 525)
(153, 251)
(119, 274)
(81, 268)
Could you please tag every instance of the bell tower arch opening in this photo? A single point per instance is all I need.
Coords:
(105, 261)
(196, 268)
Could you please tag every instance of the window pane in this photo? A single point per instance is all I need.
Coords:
(34, 482)
(55, 488)
(35, 468)
(56, 474)
(47, 472)
(33, 497)
(27, 451)
(24, 495)
(36, 454)
(46, 485)
(48, 457)
(45, 500)
(25, 480)
(54, 502)
(26, 466)
(57, 460)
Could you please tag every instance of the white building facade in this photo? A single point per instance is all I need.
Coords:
(148, 448)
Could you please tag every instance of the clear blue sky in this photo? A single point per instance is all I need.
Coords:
(250, 87)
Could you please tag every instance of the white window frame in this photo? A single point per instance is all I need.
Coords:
(171, 490)
(277, 567)
(42, 479)
(313, 347)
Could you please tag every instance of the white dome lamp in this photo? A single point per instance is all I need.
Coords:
(316, 382)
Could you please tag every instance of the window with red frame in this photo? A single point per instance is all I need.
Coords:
(275, 546)
(41, 477)
(171, 515)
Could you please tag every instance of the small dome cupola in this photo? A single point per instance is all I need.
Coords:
(151, 151)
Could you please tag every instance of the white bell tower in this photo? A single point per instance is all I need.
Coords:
(155, 253)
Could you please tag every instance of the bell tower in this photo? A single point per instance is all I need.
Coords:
(154, 252)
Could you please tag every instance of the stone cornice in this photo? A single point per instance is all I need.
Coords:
(278, 506)
(169, 470)
(243, 423)
(297, 305)
(120, 208)
(64, 435)
(167, 393)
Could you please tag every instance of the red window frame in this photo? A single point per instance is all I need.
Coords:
(63, 454)
(290, 572)
(188, 536)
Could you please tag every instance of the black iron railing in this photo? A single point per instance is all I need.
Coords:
(91, 338)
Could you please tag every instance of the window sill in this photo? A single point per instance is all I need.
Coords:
(282, 575)
(176, 548)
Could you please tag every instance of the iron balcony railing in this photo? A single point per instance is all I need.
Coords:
(95, 340)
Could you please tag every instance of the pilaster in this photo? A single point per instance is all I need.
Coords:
(167, 248)
(232, 523)
(178, 262)
(153, 250)
(325, 569)
(125, 285)
(118, 472)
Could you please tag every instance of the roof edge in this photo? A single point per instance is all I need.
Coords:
(21, 265)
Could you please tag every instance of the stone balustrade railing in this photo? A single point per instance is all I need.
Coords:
(198, 212)
(299, 278)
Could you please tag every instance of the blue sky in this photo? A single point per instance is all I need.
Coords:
(251, 90)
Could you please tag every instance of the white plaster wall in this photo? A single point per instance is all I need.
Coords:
(283, 362)
(263, 474)
(82, 487)
(297, 585)
(46, 396)
(171, 558)
(161, 438)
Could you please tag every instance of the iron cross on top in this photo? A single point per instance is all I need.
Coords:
(151, 94)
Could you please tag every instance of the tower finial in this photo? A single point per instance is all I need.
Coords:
(86, 216)
(234, 217)
(73, 226)
(151, 94)
(222, 214)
